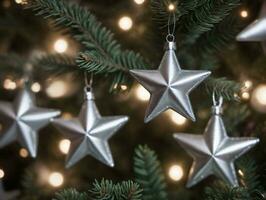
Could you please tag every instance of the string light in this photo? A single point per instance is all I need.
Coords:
(125, 23)
(23, 153)
(139, 2)
(240, 172)
(244, 13)
(260, 95)
(36, 87)
(56, 179)
(245, 95)
(64, 146)
(176, 118)
(176, 172)
(2, 173)
(142, 94)
(9, 84)
(61, 45)
(171, 7)
(248, 84)
(57, 89)
(123, 87)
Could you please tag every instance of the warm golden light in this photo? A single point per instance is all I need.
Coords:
(176, 172)
(23, 153)
(245, 95)
(67, 115)
(248, 84)
(64, 146)
(142, 94)
(36, 87)
(2, 173)
(57, 89)
(9, 84)
(61, 46)
(56, 179)
(123, 87)
(171, 7)
(125, 23)
(176, 118)
(260, 94)
(244, 13)
(139, 2)
(240, 172)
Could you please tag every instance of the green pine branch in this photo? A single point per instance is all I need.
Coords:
(12, 62)
(103, 54)
(149, 174)
(107, 190)
(228, 89)
(70, 194)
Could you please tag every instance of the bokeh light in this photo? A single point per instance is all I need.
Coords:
(171, 7)
(56, 179)
(125, 23)
(139, 2)
(64, 146)
(36, 87)
(23, 153)
(57, 89)
(9, 84)
(244, 13)
(176, 118)
(2, 173)
(61, 46)
(141, 93)
(176, 172)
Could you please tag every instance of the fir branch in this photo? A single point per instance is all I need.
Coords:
(204, 18)
(107, 190)
(219, 37)
(149, 174)
(98, 40)
(70, 194)
(57, 63)
(11, 62)
(223, 87)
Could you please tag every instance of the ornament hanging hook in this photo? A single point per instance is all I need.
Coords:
(217, 102)
(170, 36)
(88, 83)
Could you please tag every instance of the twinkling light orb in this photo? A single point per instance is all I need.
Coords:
(139, 2)
(125, 23)
(64, 146)
(171, 7)
(57, 89)
(56, 179)
(244, 13)
(61, 46)
(141, 93)
(176, 118)
(176, 172)
(258, 98)
(2, 173)
(23, 153)
(36, 87)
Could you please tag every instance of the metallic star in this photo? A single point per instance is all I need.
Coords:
(89, 133)
(256, 31)
(169, 86)
(9, 195)
(214, 153)
(22, 119)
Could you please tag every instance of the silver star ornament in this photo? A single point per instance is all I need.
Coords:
(214, 152)
(8, 195)
(89, 133)
(22, 119)
(169, 86)
(256, 31)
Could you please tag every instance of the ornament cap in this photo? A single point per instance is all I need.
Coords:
(217, 105)
(217, 110)
(170, 45)
(88, 94)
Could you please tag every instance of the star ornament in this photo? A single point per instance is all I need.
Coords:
(214, 153)
(256, 31)
(22, 119)
(169, 86)
(89, 133)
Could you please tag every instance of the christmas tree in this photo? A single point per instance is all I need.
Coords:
(77, 76)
